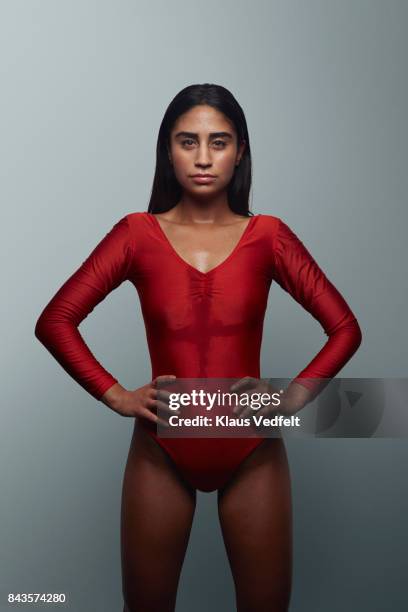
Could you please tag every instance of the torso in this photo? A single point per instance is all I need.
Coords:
(203, 293)
(203, 323)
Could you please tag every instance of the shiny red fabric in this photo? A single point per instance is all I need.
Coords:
(198, 325)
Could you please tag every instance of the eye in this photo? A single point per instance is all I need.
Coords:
(186, 141)
(220, 142)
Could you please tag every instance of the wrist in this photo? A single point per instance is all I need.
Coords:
(114, 396)
(293, 399)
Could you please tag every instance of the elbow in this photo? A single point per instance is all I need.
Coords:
(360, 335)
(40, 329)
(45, 325)
(357, 334)
(349, 334)
(353, 335)
(52, 324)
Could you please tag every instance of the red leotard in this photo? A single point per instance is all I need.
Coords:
(198, 325)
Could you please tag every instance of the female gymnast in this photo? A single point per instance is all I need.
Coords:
(202, 265)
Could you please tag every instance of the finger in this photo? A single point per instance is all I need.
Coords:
(245, 409)
(238, 410)
(157, 394)
(241, 409)
(244, 383)
(165, 397)
(150, 416)
(248, 412)
(152, 403)
(162, 395)
(163, 379)
(165, 408)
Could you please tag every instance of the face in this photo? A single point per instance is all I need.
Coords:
(204, 141)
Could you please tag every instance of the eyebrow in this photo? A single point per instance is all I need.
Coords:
(212, 134)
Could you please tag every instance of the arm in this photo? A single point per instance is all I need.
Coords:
(106, 268)
(295, 270)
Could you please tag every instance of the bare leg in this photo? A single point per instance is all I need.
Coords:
(156, 518)
(255, 511)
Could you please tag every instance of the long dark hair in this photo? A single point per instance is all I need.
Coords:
(166, 190)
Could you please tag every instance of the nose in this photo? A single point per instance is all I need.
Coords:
(203, 158)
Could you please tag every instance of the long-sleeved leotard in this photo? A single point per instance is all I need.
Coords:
(198, 325)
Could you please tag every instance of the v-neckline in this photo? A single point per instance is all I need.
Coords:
(193, 268)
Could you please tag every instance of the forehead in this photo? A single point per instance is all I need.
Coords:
(202, 119)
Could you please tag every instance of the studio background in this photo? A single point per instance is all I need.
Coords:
(84, 88)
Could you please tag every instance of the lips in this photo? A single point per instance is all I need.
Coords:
(203, 179)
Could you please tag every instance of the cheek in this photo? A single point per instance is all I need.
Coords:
(181, 166)
(226, 162)
(225, 169)
(180, 158)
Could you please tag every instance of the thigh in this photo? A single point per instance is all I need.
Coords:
(156, 518)
(255, 511)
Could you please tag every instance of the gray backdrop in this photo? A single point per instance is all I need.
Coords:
(84, 87)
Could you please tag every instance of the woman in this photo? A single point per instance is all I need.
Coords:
(202, 265)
